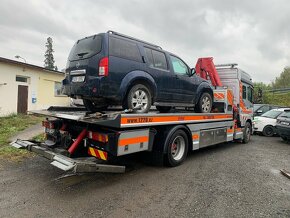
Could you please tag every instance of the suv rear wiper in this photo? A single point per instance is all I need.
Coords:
(82, 54)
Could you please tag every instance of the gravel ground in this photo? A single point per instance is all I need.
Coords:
(227, 180)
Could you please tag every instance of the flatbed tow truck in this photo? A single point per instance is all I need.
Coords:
(82, 142)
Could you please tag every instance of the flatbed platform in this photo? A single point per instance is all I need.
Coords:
(120, 119)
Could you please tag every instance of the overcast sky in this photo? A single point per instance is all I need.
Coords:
(253, 33)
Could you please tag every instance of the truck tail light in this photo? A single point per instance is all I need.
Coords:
(104, 67)
(97, 136)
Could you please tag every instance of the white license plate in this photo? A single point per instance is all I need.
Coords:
(78, 79)
(285, 123)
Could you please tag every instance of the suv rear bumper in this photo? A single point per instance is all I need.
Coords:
(93, 88)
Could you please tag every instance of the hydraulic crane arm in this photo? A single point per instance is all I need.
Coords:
(205, 69)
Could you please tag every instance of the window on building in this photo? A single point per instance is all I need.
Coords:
(57, 89)
(22, 79)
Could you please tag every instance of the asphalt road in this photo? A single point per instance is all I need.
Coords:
(228, 180)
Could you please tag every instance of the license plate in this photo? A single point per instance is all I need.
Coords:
(284, 123)
(78, 79)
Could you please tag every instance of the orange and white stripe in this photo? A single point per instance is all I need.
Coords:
(98, 153)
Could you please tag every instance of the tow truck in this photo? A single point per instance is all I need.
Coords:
(78, 141)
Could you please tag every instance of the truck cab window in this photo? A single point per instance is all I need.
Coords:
(244, 92)
(250, 94)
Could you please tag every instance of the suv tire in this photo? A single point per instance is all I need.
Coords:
(204, 104)
(138, 96)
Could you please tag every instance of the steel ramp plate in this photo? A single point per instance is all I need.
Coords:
(21, 144)
(62, 164)
(70, 116)
(83, 165)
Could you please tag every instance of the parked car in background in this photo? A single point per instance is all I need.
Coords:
(283, 125)
(266, 123)
(260, 109)
(114, 69)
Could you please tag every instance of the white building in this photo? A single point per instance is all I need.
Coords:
(25, 87)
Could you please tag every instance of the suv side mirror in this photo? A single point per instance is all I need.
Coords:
(192, 71)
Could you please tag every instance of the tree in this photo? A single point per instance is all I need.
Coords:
(49, 59)
(266, 93)
(282, 81)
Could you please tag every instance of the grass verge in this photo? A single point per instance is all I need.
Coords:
(10, 126)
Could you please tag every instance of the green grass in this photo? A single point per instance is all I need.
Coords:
(10, 153)
(39, 138)
(10, 126)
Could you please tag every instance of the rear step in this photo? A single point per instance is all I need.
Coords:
(77, 165)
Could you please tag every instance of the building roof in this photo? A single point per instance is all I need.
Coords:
(18, 63)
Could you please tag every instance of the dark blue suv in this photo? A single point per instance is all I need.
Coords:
(114, 69)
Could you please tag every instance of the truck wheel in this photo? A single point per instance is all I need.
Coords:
(247, 133)
(176, 148)
(139, 98)
(204, 104)
(268, 131)
(163, 109)
(93, 107)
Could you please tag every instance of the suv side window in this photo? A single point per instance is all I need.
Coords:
(156, 59)
(124, 49)
(149, 56)
(179, 67)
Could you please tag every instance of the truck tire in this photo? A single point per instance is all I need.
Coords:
(268, 131)
(138, 96)
(176, 148)
(204, 104)
(247, 133)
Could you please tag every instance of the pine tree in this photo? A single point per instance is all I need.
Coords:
(49, 59)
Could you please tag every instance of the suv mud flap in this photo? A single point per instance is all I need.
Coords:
(77, 165)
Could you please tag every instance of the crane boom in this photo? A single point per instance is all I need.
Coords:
(205, 68)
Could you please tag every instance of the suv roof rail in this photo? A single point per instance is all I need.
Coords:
(232, 65)
(132, 38)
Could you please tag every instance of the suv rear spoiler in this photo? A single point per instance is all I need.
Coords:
(76, 165)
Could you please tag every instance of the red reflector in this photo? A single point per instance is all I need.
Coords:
(104, 67)
(97, 136)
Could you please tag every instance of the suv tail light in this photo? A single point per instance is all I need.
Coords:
(104, 67)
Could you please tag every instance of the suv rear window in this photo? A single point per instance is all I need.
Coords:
(124, 49)
(86, 48)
